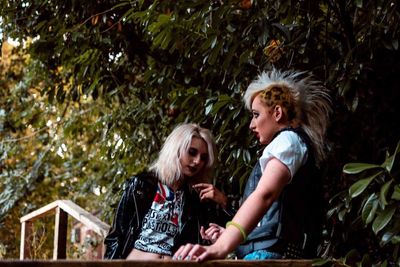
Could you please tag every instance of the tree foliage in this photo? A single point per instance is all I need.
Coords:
(113, 78)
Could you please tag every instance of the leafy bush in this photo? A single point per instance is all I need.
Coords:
(372, 202)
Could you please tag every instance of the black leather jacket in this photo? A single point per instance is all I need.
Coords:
(133, 206)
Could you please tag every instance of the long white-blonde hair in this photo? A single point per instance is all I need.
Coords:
(306, 102)
(167, 166)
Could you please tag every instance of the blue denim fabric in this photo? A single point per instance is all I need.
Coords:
(262, 255)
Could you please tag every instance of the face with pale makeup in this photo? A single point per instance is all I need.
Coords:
(195, 158)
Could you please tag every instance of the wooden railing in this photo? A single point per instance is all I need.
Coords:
(158, 263)
(62, 209)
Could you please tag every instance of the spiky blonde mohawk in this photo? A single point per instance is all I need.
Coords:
(312, 102)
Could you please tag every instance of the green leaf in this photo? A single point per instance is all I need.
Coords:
(223, 100)
(351, 256)
(246, 155)
(396, 192)
(209, 105)
(213, 42)
(229, 56)
(226, 123)
(354, 168)
(396, 239)
(156, 26)
(359, 187)
(388, 164)
(387, 237)
(284, 29)
(369, 209)
(341, 214)
(209, 43)
(383, 219)
(384, 191)
(331, 212)
(215, 52)
(366, 260)
(244, 57)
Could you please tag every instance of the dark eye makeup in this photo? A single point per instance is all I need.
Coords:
(193, 152)
(255, 114)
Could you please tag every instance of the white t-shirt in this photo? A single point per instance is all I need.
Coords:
(289, 149)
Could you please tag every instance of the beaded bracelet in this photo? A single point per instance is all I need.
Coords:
(239, 227)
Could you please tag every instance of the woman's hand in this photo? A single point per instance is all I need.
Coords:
(212, 233)
(210, 192)
(190, 252)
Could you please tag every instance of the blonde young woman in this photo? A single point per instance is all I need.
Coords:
(159, 210)
(281, 213)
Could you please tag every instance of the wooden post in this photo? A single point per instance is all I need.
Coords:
(60, 235)
(26, 231)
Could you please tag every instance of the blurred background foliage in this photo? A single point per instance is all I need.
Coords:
(94, 87)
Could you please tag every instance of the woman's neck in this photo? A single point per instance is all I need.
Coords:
(176, 186)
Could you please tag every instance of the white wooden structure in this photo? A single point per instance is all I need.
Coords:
(61, 208)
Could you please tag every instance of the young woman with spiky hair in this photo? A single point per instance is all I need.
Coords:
(281, 215)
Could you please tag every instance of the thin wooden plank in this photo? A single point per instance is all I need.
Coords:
(60, 234)
(26, 231)
(43, 211)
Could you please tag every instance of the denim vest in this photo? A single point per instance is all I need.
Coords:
(292, 226)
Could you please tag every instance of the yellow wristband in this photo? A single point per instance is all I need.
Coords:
(239, 227)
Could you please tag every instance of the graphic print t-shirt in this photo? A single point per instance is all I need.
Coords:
(162, 222)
